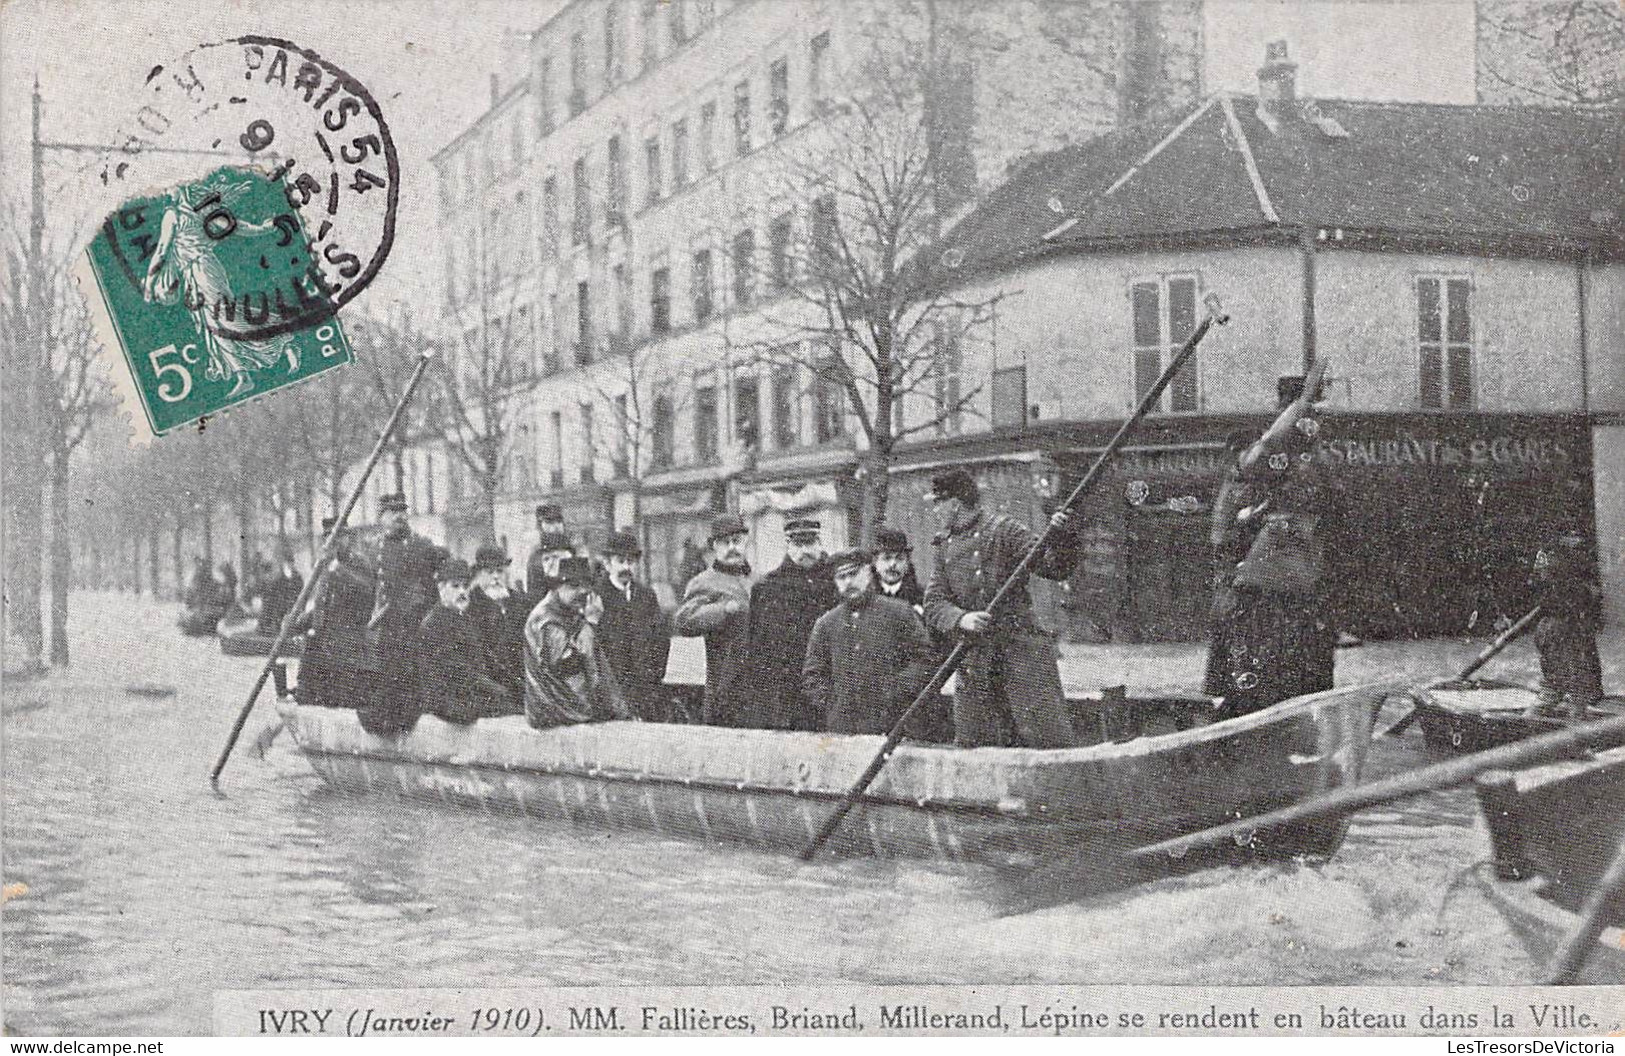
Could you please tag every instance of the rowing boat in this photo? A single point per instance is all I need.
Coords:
(246, 639)
(1477, 715)
(1553, 829)
(772, 789)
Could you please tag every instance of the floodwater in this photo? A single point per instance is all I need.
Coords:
(133, 892)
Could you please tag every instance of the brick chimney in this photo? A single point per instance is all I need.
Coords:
(1277, 80)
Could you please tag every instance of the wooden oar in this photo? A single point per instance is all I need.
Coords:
(1484, 656)
(328, 546)
(1572, 957)
(951, 664)
(1342, 801)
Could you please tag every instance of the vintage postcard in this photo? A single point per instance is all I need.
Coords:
(768, 518)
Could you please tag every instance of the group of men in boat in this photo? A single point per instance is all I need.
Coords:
(844, 642)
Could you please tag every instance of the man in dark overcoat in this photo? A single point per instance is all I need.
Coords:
(1566, 634)
(1009, 690)
(631, 629)
(716, 605)
(453, 682)
(784, 605)
(499, 611)
(405, 579)
(868, 656)
(333, 669)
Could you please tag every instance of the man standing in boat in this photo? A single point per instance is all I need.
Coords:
(453, 683)
(566, 677)
(716, 605)
(631, 630)
(1566, 636)
(333, 669)
(405, 578)
(867, 657)
(784, 605)
(1009, 690)
(894, 570)
(499, 613)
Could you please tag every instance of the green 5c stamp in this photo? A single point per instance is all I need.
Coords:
(214, 294)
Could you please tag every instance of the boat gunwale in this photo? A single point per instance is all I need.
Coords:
(1524, 897)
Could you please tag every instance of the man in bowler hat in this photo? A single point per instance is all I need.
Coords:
(631, 629)
(454, 682)
(716, 605)
(499, 612)
(1009, 690)
(549, 532)
(894, 569)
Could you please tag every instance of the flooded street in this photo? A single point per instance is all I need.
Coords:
(146, 892)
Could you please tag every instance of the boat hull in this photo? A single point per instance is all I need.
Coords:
(1461, 718)
(1542, 926)
(253, 642)
(773, 789)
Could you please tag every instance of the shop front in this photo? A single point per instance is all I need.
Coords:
(673, 523)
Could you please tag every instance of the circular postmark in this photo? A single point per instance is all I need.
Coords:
(270, 178)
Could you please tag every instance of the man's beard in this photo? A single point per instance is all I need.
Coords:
(732, 566)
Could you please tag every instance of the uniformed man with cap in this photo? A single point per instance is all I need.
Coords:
(566, 677)
(549, 532)
(1009, 690)
(453, 680)
(784, 605)
(405, 590)
(716, 605)
(868, 656)
(499, 612)
(631, 628)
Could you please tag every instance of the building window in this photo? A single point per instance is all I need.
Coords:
(778, 96)
(679, 154)
(700, 284)
(619, 459)
(612, 41)
(1445, 341)
(742, 118)
(818, 61)
(747, 411)
(660, 302)
(708, 136)
(780, 267)
(544, 96)
(1010, 397)
(584, 329)
(947, 361)
(555, 422)
(662, 431)
(588, 472)
(647, 17)
(651, 165)
(554, 354)
(743, 253)
(825, 251)
(705, 424)
(829, 401)
(578, 73)
(1164, 316)
(786, 408)
(550, 214)
(615, 214)
(581, 221)
(623, 303)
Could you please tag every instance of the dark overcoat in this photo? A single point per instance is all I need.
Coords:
(784, 605)
(277, 594)
(865, 662)
(451, 670)
(405, 592)
(1009, 689)
(633, 638)
(333, 669)
(1566, 634)
(501, 627)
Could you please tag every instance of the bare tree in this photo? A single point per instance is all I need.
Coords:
(640, 396)
(1558, 51)
(863, 309)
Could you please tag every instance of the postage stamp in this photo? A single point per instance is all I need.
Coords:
(200, 285)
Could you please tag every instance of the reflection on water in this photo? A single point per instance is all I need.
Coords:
(146, 892)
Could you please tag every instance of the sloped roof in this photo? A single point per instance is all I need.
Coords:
(1542, 179)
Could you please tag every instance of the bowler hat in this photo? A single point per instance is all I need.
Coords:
(452, 570)
(726, 525)
(577, 570)
(803, 529)
(556, 541)
(954, 484)
(845, 559)
(623, 544)
(490, 555)
(549, 511)
(891, 541)
(394, 501)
